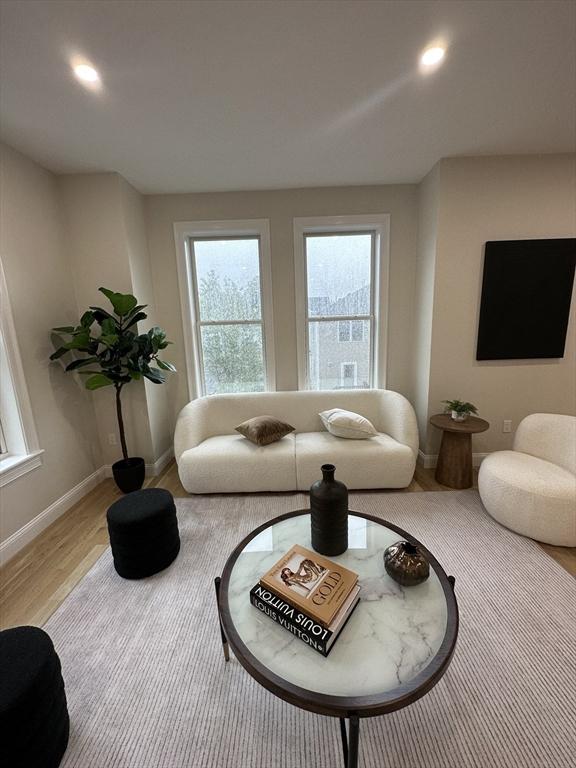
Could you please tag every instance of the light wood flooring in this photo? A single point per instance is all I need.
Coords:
(36, 580)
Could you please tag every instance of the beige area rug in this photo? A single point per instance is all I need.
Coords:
(147, 685)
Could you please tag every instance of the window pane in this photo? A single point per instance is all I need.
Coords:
(333, 365)
(338, 279)
(344, 330)
(233, 358)
(357, 327)
(228, 276)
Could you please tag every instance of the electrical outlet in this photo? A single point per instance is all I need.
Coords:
(112, 439)
(507, 425)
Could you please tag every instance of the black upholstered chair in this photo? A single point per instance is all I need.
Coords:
(143, 532)
(34, 722)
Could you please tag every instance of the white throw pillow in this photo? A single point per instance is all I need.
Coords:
(341, 423)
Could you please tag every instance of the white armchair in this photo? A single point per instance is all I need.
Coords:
(532, 489)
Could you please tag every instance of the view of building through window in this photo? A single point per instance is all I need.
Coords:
(229, 314)
(339, 274)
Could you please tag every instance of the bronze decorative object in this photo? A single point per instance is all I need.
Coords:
(406, 564)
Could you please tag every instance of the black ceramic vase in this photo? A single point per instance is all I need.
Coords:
(329, 513)
(406, 564)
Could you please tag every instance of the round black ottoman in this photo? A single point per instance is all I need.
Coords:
(143, 532)
(34, 722)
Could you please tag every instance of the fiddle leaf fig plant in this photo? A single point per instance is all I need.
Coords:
(112, 353)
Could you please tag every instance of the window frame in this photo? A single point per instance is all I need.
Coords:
(23, 452)
(379, 224)
(184, 233)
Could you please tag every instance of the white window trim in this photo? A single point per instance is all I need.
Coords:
(24, 453)
(183, 231)
(378, 223)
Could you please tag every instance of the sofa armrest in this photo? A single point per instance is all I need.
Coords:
(191, 427)
(399, 419)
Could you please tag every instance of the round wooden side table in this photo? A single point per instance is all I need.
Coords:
(454, 467)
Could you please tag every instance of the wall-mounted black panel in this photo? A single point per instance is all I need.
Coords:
(526, 292)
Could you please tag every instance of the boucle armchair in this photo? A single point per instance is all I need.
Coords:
(532, 489)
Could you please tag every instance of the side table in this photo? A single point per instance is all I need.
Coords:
(454, 467)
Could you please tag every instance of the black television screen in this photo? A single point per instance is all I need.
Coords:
(526, 292)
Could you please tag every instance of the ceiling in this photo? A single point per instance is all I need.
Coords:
(201, 96)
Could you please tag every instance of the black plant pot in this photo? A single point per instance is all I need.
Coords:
(329, 513)
(129, 474)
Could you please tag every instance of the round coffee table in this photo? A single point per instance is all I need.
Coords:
(394, 648)
(454, 467)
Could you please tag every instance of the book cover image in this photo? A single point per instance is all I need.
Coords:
(301, 574)
(312, 583)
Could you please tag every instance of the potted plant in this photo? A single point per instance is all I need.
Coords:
(460, 410)
(115, 355)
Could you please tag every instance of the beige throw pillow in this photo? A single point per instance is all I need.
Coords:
(341, 423)
(263, 430)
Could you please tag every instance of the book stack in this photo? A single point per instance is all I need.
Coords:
(309, 595)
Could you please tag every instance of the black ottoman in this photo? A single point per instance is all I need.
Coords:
(34, 722)
(143, 532)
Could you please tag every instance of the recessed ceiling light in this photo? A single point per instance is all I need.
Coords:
(432, 56)
(86, 73)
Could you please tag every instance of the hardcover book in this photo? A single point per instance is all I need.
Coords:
(299, 624)
(315, 585)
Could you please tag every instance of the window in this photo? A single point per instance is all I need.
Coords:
(348, 375)
(341, 280)
(343, 330)
(350, 330)
(19, 450)
(227, 303)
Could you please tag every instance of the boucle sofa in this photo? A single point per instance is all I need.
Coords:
(532, 489)
(213, 458)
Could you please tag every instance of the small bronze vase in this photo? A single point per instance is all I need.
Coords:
(406, 564)
(329, 513)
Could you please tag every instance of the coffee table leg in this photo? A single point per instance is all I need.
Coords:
(353, 742)
(344, 741)
(350, 747)
(222, 635)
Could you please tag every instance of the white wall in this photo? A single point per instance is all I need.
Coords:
(42, 296)
(96, 241)
(281, 207)
(106, 238)
(496, 198)
(158, 409)
(428, 208)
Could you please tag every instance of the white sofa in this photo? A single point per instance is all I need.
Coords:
(532, 489)
(213, 458)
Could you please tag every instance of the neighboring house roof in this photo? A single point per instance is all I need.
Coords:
(354, 303)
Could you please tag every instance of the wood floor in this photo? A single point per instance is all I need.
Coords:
(40, 576)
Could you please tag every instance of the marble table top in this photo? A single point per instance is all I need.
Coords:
(393, 634)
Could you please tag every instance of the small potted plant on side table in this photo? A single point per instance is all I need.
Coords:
(459, 410)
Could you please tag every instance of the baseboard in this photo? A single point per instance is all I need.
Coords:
(152, 470)
(34, 527)
(28, 532)
(429, 460)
